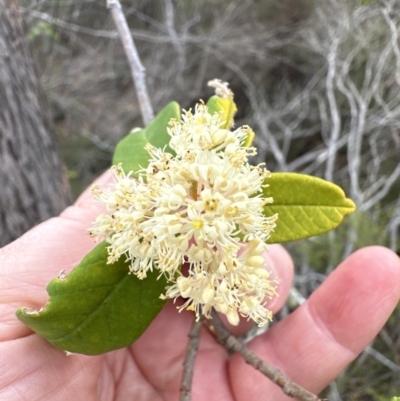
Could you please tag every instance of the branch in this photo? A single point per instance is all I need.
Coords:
(190, 357)
(137, 69)
(231, 343)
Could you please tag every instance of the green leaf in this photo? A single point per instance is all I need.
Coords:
(249, 139)
(98, 307)
(306, 206)
(130, 150)
(228, 109)
(225, 106)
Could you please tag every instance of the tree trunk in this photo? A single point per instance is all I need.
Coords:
(32, 177)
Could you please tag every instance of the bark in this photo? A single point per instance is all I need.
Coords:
(33, 180)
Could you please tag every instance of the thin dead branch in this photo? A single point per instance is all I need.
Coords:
(190, 358)
(137, 69)
(231, 343)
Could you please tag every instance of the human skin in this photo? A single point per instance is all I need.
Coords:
(311, 346)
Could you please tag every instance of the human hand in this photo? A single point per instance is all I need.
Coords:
(311, 346)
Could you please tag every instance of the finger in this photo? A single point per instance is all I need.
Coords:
(315, 343)
(280, 264)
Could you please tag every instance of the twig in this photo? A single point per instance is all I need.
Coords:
(137, 69)
(231, 343)
(190, 357)
(382, 358)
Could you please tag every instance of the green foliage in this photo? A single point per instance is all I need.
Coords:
(97, 307)
(42, 28)
(306, 206)
(130, 150)
(71, 174)
(226, 106)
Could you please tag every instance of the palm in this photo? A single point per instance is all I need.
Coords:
(336, 323)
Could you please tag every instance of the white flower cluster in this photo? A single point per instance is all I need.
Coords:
(202, 208)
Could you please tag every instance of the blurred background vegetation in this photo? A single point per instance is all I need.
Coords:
(319, 82)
